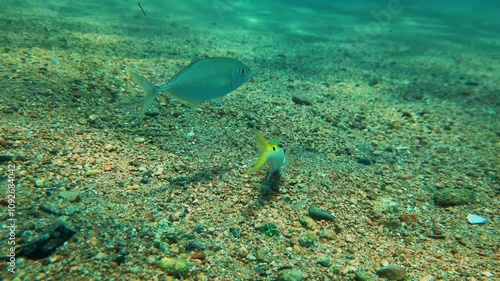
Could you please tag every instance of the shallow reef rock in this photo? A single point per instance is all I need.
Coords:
(453, 197)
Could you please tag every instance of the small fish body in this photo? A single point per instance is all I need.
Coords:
(201, 80)
(272, 153)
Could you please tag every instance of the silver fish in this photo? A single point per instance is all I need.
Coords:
(201, 80)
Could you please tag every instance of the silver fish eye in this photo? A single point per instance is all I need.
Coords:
(242, 71)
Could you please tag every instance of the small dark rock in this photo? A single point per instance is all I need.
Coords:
(407, 114)
(392, 272)
(373, 82)
(364, 161)
(301, 101)
(269, 229)
(453, 197)
(152, 113)
(55, 151)
(471, 83)
(235, 232)
(177, 114)
(119, 259)
(191, 246)
(199, 228)
(389, 149)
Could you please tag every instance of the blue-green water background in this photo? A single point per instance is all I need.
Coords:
(475, 22)
(392, 28)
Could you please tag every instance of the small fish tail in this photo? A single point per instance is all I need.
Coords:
(261, 141)
(260, 161)
(264, 147)
(151, 92)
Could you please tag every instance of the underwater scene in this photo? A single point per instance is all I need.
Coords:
(232, 140)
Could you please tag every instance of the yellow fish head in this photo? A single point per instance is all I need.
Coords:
(272, 153)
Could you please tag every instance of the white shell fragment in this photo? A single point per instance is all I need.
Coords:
(475, 219)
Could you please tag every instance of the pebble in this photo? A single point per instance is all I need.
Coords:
(324, 261)
(70, 196)
(327, 234)
(251, 257)
(428, 278)
(109, 168)
(349, 238)
(101, 256)
(93, 118)
(92, 172)
(134, 269)
(409, 218)
(139, 139)
(174, 266)
(488, 274)
(319, 214)
(242, 252)
(392, 272)
(307, 240)
(348, 269)
(308, 223)
(151, 259)
(110, 147)
(364, 276)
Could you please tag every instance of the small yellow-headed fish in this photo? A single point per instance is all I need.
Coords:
(201, 80)
(271, 153)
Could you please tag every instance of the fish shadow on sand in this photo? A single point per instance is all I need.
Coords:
(269, 189)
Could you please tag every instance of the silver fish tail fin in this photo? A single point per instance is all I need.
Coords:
(151, 92)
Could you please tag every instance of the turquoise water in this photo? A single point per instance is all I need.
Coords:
(387, 111)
